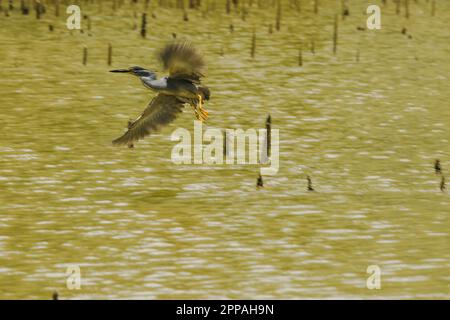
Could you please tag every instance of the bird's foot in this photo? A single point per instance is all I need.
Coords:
(197, 114)
(201, 110)
(203, 114)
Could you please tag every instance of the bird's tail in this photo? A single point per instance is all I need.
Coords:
(205, 92)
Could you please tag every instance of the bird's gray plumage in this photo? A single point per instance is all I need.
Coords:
(186, 68)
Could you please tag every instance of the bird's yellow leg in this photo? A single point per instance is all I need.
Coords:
(197, 115)
(203, 112)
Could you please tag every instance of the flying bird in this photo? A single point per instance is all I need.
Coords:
(182, 86)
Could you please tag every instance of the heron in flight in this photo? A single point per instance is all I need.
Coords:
(186, 68)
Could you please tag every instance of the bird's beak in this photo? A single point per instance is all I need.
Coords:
(120, 71)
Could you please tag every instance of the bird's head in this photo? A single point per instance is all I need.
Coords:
(136, 71)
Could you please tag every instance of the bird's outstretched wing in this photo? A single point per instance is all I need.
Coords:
(183, 61)
(162, 110)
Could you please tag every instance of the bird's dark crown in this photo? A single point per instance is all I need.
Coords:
(141, 72)
(137, 71)
(136, 68)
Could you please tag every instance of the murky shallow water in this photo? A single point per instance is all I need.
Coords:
(140, 226)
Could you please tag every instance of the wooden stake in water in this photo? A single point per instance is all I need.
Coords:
(437, 166)
(259, 182)
(228, 6)
(316, 6)
(310, 186)
(225, 144)
(269, 134)
(38, 10)
(443, 187)
(109, 54)
(345, 9)
(300, 56)
(335, 34)
(433, 8)
(144, 25)
(23, 8)
(407, 9)
(85, 55)
(357, 55)
(57, 8)
(278, 19)
(397, 7)
(313, 47)
(235, 5)
(253, 50)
